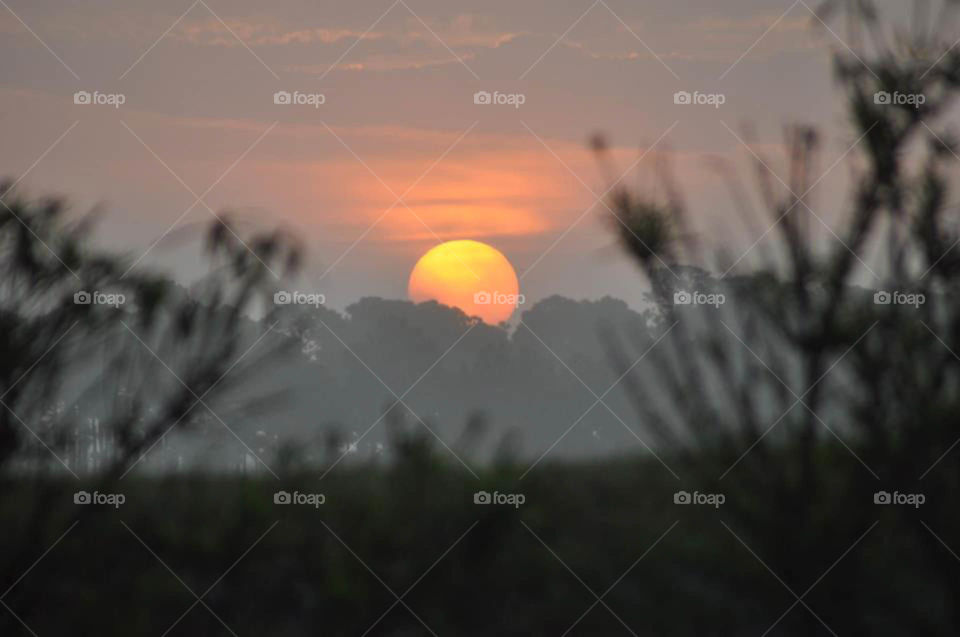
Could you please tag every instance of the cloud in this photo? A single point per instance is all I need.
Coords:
(465, 30)
(710, 39)
(259, 32)
(382, 62)
(460, 31)
(401, 42)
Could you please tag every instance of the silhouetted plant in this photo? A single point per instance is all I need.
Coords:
(160, 355)
(803, 396)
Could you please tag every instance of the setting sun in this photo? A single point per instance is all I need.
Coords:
(468, 275)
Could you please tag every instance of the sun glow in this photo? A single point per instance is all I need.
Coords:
(468, 275)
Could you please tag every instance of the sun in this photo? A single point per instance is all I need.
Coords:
(468, 275)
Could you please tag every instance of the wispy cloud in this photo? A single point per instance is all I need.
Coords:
(259, 32)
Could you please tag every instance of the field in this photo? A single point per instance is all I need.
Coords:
(594, 549)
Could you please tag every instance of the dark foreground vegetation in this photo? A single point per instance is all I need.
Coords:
(413, 530)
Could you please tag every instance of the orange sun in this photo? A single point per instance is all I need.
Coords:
(468, 275)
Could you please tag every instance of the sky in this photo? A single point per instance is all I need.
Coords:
(389, 152)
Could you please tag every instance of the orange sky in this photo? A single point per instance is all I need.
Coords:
(399, 110)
